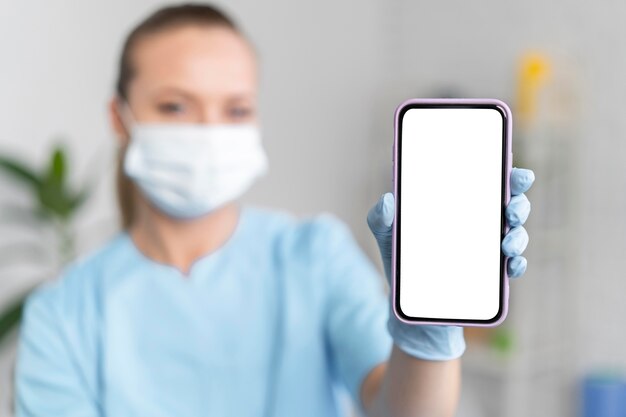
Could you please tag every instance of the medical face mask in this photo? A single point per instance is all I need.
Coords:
(189, 170)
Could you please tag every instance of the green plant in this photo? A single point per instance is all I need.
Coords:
(502, 340)
(55, 204)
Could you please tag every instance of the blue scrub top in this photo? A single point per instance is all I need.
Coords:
(286, 310)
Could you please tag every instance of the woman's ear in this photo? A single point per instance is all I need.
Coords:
(115, 118)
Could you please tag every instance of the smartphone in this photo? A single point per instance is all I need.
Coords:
(452, 163)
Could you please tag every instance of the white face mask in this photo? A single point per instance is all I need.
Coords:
(189, 170)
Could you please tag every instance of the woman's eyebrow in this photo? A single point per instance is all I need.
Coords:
(172, 90)
(234, 97)
(241, 97)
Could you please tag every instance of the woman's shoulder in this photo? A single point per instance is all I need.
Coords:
(280, 220)
(79, 281)
(64, 313)
(306, 232)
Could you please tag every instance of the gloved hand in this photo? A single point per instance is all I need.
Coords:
(447, 342)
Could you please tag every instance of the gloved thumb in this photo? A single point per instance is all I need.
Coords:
(380, 220)
(380, 217)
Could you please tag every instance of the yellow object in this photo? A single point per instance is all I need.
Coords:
(533, 74)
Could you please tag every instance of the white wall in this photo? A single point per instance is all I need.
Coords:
(332, 74)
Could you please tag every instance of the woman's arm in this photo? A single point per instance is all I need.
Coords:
(407, 386)
(383, 377)
(49, 378)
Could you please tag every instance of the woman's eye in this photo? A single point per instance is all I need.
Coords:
(240, 112)
(170, 108)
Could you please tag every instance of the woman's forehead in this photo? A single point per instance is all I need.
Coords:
(197, 59)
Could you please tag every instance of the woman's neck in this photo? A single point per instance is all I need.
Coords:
(180, 242)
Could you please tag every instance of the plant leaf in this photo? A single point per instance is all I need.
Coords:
(54, 194)
(20, 171)
(56, 170)
(52, 199)
(79, 199)
(11, 316)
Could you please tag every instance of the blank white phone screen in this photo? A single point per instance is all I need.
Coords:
(450, 212)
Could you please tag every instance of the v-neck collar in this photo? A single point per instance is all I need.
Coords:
(199, 264)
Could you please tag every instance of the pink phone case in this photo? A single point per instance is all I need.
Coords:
(504, 293)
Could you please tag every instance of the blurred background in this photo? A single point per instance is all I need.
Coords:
(332, 74)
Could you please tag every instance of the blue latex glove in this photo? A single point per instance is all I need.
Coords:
(447, 342)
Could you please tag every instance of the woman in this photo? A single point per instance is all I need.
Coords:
(203, 306)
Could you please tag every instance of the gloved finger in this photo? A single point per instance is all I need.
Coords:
(380, 220)
(380, 216)
(516, 266)
(521, 180)
(517, 210)
(515, 242)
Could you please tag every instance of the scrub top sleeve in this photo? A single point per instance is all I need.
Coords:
(47, 377)
(357, 306)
